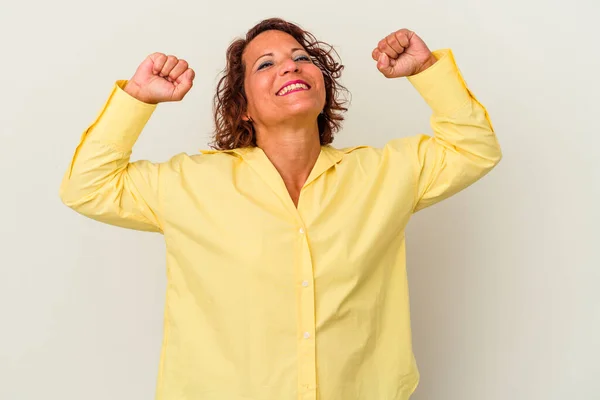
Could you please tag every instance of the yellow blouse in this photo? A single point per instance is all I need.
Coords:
(267, 301)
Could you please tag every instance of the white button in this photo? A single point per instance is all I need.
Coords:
(306, 335)
(305, 283)
(302, 230)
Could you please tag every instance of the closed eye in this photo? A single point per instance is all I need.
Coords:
(268, 63)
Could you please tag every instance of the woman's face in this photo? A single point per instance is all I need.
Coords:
(281, 82)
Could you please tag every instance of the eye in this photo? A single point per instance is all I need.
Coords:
(303, 57)
(265, 64)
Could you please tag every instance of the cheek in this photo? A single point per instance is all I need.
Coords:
(318, 78)
(254, 95)
(261, 92)
(322, 92)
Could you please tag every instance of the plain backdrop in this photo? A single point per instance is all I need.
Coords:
(503, 276)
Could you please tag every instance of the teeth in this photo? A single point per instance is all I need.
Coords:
(292, 87)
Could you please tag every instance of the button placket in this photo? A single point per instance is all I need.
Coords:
(307, 379)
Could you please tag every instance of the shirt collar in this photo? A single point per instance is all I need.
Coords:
(331, 153)
(257, 160)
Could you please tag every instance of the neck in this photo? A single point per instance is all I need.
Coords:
(293, 151)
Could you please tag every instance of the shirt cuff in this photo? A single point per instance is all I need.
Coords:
(442, 85)
(122, 119)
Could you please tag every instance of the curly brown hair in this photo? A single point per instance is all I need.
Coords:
(230, 101)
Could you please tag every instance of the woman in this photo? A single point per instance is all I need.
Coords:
(285, 256)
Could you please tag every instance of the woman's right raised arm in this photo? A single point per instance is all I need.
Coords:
(101, 182)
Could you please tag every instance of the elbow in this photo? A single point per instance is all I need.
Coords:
(489, 153)
(491, 162)
(496, 155)
(482, 162)
(72, 196)
(67, 196)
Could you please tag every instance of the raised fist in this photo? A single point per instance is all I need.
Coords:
(161, 78)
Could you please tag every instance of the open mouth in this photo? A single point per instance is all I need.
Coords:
(294, 86)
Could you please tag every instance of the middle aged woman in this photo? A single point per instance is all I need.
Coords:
(285, 256)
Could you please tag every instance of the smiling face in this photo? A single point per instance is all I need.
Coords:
(281, 81)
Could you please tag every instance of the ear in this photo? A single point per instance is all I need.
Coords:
(247, 118)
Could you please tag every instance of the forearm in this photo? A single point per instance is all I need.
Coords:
(459, 121)
(100, 181)
(464, 146)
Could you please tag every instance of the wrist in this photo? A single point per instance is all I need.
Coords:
(133, 89)
(432, 60)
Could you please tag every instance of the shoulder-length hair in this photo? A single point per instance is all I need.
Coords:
(230, 102)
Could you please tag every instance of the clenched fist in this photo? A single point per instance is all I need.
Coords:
(402, 53)
(161, 78)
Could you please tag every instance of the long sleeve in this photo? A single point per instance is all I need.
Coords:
(464, 146)
(101, 182)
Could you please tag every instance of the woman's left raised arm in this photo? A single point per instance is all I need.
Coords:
(464, 146)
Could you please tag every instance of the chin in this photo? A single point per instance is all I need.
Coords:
(304, 109)
(309, 113)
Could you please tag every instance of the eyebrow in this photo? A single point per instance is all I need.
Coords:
(271, 54)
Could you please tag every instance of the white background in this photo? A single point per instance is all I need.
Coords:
(503, 276)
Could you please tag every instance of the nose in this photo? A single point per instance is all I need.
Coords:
(289, 66)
